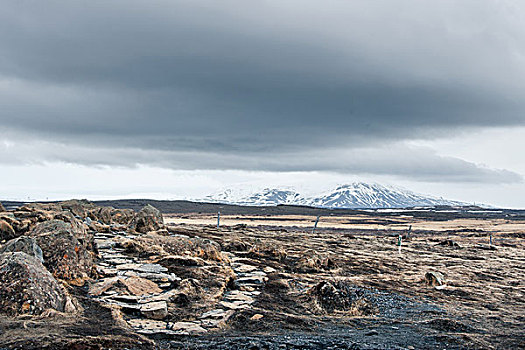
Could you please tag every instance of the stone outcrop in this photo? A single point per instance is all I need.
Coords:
(109, 215)
(79, 208)
(2, 208)
(148, 219)
(28, 288)
(64, 248)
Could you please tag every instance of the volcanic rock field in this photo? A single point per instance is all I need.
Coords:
(77, 275)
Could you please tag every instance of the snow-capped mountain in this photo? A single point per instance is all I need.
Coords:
(266, 197)
(363, 195)
(355, 195)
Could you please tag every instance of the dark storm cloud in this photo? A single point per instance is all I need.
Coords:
(243, 79)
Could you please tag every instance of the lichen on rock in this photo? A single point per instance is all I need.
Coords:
(28, 288)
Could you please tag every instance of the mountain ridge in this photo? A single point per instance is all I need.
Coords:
(356, 195)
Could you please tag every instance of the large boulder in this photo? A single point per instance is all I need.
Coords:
(109, 215)
(65, 249)
(122, 216)
(40, 207)
(23, 244)
(63, 220)
(31, 214)
(148, 219)
(103, 214)
(79, 208)
(7, 231)
(28, 288)
(2, 208)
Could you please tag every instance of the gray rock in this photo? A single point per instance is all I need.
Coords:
(23, 244)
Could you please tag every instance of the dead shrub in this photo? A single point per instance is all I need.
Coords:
(267, 250)
(341, 296)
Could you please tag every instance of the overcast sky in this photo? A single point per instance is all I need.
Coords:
(172, 99)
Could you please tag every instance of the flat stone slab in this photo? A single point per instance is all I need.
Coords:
(108, 254)
(156, 310)
(239, 296)
(215, 313)
(212, 323)
(153, 327)
(149, 268)
(189, 327)
(104, 244)
(149, 325)
(102, 286)
(107, 271)
(119, 261)
(135, 285)
(140, 286)
(156, 277)
(241, 260)
(255, 273)
(102, 235)
(181, 260)
(235, 305)
(257, 280)
(165, 296)
(242, 268)
(269, 269)
(126, 298)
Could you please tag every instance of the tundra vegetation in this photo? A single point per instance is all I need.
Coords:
(76, 275)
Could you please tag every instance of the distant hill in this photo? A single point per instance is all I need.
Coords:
(357, 195)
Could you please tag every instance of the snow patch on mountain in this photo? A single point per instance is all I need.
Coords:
(265, 197)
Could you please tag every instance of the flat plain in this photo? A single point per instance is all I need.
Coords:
(481, 297)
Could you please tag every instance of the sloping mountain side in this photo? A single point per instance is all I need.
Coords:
(353, 196)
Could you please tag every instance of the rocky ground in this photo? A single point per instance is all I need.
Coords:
(74, 275)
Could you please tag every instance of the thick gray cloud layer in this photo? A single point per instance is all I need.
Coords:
(260, 85)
